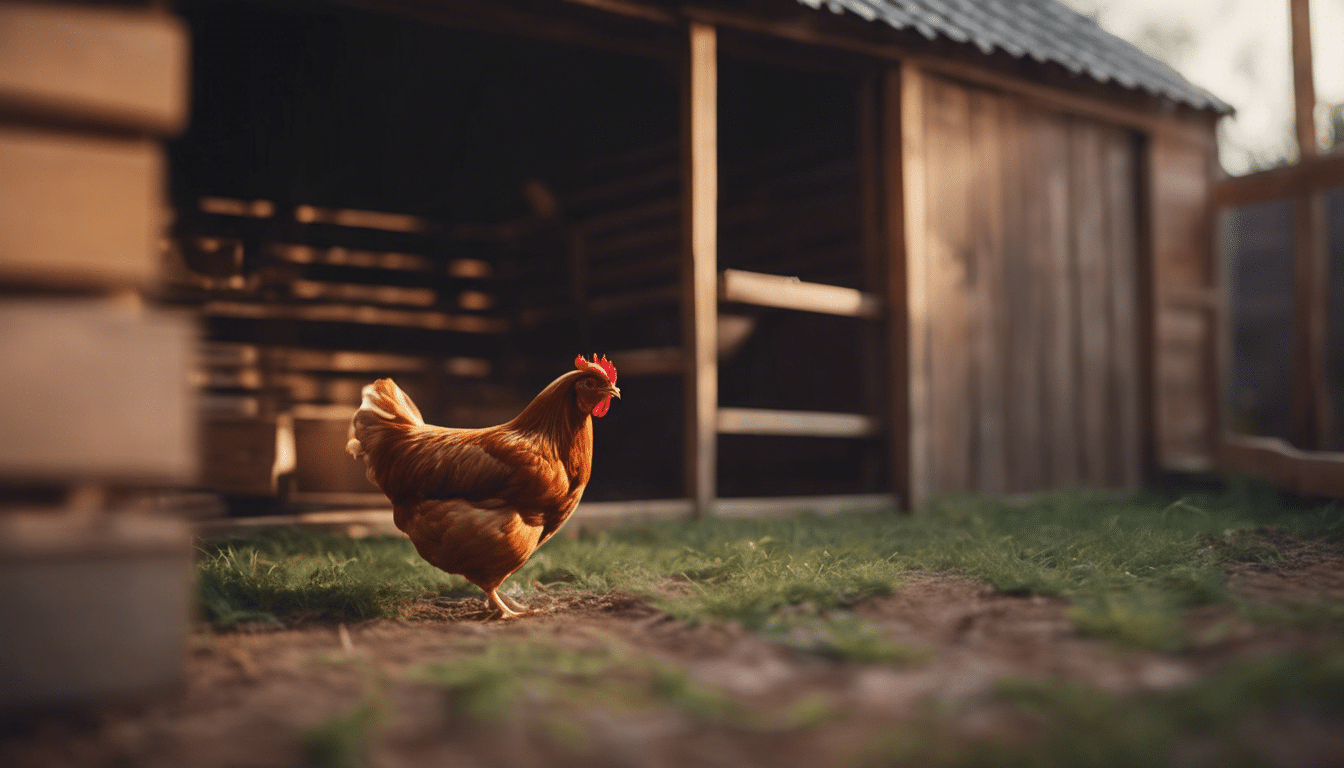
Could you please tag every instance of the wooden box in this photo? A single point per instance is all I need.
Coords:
(119, 68)
(322, 465)
(76, 210)
(93, 606)
(246, 456)
(95, 391)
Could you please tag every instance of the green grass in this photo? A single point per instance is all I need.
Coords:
(1208, 723)
(492, 683)
(294, 575)
(1130, 564)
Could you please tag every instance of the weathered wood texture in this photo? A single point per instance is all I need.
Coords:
(97, 393)
(1024, 359)
(700, 295)
(1186, 305)
(119, 69)
(78, 210)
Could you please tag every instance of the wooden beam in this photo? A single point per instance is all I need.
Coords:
(1312, 174)
(872, 354)
(804, 29)
(700, 263)
(1312, 426)
(1312, 418)
(791, 293)
(760, 421)
(1304, 85)
(1304, 472)
(903, 220)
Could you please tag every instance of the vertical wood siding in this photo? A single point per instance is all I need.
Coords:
(1034, 373)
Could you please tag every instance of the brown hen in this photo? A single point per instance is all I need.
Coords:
(479, 502)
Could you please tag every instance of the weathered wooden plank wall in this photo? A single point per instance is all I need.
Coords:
(1033, 374)
(1187, 304)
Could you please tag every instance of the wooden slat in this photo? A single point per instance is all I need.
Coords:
(96, 392)
(988, 455)
(868, 157)
(760, 421)
(1119, 165)
(359, 314)
(649, 362)
(949, 275)
(1058, 285)
(791, 293)
(77, 210)
(1185, 390)
(700, 262)
(120, 69)
(1312, 174)
(1309, 473)
(377, 517)
(1312, 404)
(1091, 263)
(1022, 182)
(904, 216)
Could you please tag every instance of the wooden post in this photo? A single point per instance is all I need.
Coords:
(699, 273)
(1311, 397)
(868, 156)
(903, 214)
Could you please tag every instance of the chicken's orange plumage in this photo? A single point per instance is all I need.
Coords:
(478, 502)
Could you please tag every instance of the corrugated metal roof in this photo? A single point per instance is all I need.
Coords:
(1043, 30)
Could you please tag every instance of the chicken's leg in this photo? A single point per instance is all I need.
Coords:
(492, 597)
(514, 604)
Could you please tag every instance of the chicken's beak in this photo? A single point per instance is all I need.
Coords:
(612, 391)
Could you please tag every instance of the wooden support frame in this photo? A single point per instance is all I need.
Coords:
(1312, 419)
(903, 209)
(791, 293)
(760, 421)
(700, 295)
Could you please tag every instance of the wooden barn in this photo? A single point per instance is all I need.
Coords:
(838, 250)
(851, 249)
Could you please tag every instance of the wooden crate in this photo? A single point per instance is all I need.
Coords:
(96, 392)
(93, 607)
(246, 456)
(323, 466)
(78, 210)
(115, 68)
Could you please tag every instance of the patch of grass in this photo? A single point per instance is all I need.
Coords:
(1130, 562)
(842, 636)
(345, 741)
(1206, 723)
(293, 575)
(493, 683)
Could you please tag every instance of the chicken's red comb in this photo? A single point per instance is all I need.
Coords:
(603, 366)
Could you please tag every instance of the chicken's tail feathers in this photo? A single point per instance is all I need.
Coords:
(384, 405)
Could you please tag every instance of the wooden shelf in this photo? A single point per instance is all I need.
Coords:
(791, 293)
(760, 421)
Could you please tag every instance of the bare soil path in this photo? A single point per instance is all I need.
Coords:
(251, 695)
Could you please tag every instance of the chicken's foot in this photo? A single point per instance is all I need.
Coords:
(493, 598)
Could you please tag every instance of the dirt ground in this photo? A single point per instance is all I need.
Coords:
(250, 694)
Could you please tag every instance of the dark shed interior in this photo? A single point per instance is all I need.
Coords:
(361, 194)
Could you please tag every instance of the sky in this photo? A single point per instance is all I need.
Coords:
(1240, 51)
